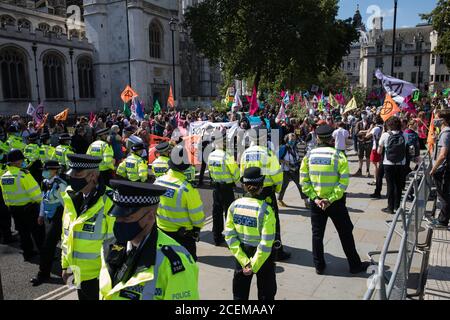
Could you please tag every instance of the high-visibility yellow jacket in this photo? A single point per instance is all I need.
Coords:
(324, 174)
(252, 222)
(160, 166)
(31, 153)
(222, 167)
(102, 150)
(19, 188)
(4, 147)
(46, 153)
(61, 153)
(267, 161)
(181, 206)
(134, 168)
(159, 275)
(190, 173)
(15, 142)
(83, 236)
(3, 169)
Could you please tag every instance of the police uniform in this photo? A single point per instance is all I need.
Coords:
(63, 150)
(158, 269)
(86, 226)
(52, 207)
(46, 151)
(22, 196)
(224, 173)
(31, 153)
(104, 151)
(180, 212)
(250, 234)
(14, 140)
(5, 216)
(161, 164)
(134, 168)
(263, 158)
(324, 174)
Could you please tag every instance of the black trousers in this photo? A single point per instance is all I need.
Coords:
(25, 219)
(395, 180)
(379, 178)
(187, 242)
(269, 194)
(106, 176)
(289, 176)
(89, 290)
(223, 197)
(51, 241)
(202, 172)
(266, 279)
(339, 215)
(5, 220)
(444, 197)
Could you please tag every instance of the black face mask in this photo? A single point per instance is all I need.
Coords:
(78, 184)
(127, 231)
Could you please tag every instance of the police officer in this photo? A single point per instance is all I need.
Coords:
(224, 173)
(103, 150)
(324, 176)
(85, 224)
(155, 267)
(46, 151)
(51, 210)
(134, 168)
(261, 157)
(161, 164)
(63, 150)
(14, 140)
(31, 153)
(250, 234)
(180, 213)
(22, 195)
(5, 216)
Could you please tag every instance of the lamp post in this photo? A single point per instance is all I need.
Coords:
(394, 36)
(34, 48)
(173, 27)
(420, 42)
(129, 46)
(73, 82)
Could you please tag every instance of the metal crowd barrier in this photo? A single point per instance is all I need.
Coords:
(383, 285)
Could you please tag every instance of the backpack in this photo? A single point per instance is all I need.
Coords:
(396, 148)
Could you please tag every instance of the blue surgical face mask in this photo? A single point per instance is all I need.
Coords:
(127, 231)
(291, 143)
(24, 165)
(46, 174)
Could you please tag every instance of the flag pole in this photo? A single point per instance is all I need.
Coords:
(394, 37)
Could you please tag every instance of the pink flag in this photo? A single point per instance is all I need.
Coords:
(254, 102)
(293, 98)
(282, 94)
(408, 105)
(281, 114)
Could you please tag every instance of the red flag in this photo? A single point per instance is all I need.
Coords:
(170, 100)
(254, 103)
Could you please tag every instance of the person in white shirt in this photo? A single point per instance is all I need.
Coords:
(375, 134)
(340, 136)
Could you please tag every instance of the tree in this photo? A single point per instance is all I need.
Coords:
(333, 81)
(271, 39)
(440, 19)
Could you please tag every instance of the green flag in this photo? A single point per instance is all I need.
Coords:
(156, 107)
(126, 110)
(416, 95)
(446, 92)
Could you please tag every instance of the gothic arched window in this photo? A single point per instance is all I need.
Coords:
(155, 40)
(24, 24)
(7, 20)
(54, 76)
(85, 78)
(14, 74)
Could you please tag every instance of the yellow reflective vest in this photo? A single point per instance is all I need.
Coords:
(170, 273)
(134, 168)
(46, 153)
(19, 188)
(102, 150)
(181, 205)
(251, 222)
(190, 173)
(83, 236)
(61, 153)
(31, 153)
(222, 167)
(160, 166)
(15, 142)
(267, 161)
(324, 174)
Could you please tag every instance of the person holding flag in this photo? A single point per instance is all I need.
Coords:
(102, 149)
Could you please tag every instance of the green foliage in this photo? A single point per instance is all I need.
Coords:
(360, 95)
(218, 105)
(271, 40)
(440, 19)
(333, 81)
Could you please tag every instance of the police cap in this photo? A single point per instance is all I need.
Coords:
(162, 147)
(33, 137)
(252, 175)
(128, 197)
(83, 162)
(324, 131)
(15, 155)
(52, 164)
(102, 132)
(64, 137)
(138, 147)
(178, 164)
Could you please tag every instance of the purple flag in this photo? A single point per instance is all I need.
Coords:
(396, 88)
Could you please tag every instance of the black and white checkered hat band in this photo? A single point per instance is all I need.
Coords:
(254, 180)
(83, 165)
(129, 200)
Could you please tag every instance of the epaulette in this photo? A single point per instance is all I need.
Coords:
(175, 261)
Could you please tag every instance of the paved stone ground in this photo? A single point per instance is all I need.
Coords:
(296, 277)
(438, 280)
